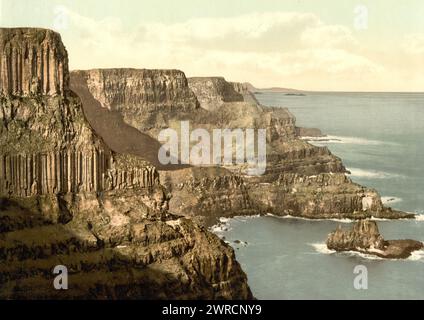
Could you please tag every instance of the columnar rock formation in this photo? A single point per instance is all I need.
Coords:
(32, 62)
(365, 237)
(47, 147)
(67, 198)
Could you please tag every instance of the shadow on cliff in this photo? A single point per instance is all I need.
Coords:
(31, 246)
(118, 135)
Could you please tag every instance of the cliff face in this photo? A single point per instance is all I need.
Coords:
(143, 97)
(300, 179)
(32, 62)
(205, 194)
(66, 198)
(123, 254)
(213, 92)
(318, 196)
(47, 147)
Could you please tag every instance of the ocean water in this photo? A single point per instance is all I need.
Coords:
(379, 137)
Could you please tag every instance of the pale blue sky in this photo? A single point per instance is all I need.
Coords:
(297, 43)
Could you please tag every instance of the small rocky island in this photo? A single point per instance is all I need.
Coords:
(365, 237)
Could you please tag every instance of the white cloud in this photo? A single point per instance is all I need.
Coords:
(329, 36)
(267, 49)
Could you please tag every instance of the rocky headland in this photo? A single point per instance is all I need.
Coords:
(364, 237)
(67, 198)
(300, 179)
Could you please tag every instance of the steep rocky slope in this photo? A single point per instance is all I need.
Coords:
(66, 198)
(300, 179)
(213, 92)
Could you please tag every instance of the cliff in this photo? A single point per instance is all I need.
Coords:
(300, 179)
(67, 198)
(32, 62)
(365, 237)
(46, 145)
(213, 92)
(143, 97)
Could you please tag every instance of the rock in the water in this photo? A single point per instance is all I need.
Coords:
(365, 237)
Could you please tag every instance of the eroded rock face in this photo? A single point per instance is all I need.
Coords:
(300, 179)
(32, 62)
(66, 198)
(140, 95)
(308, 132)
(365, 237)
(212, 192)
(125, 253)
(46, 145)
(213, 92)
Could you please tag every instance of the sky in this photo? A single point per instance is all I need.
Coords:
(326, 45)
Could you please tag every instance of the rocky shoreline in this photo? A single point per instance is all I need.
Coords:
(80, 183)
(301, 179)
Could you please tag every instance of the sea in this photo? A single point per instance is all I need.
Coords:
(379, 137)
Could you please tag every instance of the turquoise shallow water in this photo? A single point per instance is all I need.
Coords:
(379, 137)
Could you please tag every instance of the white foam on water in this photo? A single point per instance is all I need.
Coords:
(222, 226)
(322, 248)
(364, 255)
(224, 223)
(341, 220)
(372, 174)
(419, 217)
(417, 255)
(384, 219)
(330, 139)
(218, 228)
(390, 200)
(245, 218)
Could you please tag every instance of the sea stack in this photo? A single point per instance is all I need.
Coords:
(365, 237)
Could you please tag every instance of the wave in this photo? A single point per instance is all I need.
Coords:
(390, 200)
(222, 226)
(419, 217)
(417, 255)
(322, 248)
(361, 173)
(219, 228)
(342, 220)
(224, 223)
(330, 139)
